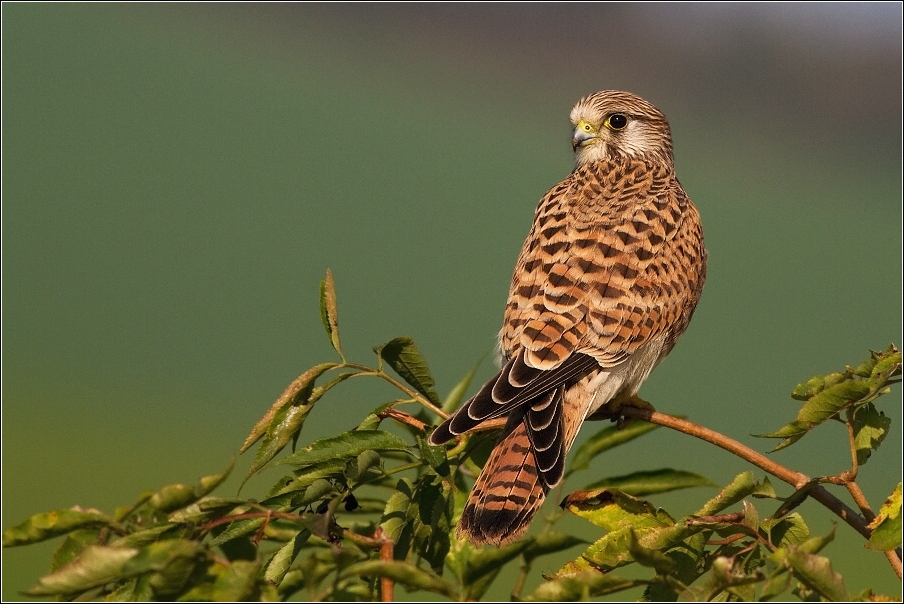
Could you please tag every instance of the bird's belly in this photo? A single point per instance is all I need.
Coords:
(621, 382)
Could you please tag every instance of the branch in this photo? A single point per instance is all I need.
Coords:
(796, 479)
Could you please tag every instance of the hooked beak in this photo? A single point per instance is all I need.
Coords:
(584, 134)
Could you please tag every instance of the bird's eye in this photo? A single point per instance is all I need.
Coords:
(616, 121)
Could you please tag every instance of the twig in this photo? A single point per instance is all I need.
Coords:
(387, 586)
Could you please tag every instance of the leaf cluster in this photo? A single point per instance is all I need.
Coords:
(365, 510)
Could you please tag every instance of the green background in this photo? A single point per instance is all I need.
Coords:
(177, 179)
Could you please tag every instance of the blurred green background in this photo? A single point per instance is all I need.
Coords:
(177, 178)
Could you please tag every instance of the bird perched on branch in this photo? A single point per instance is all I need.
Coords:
(606, 282)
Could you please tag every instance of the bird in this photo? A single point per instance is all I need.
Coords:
(605, 284)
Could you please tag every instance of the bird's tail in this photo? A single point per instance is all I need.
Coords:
(507, 494)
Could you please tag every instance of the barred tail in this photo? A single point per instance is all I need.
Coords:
(507, 494)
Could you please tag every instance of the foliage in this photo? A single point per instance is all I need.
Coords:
(376, 506)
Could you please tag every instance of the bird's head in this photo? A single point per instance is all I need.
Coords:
(610, 124)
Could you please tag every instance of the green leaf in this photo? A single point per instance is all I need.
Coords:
(143, 538)
(790, 432)
(234, 582)
(372, 421)
(74, 544)
(236, 529)
(328, 311)
(830, 401)
(344, 446)
(297, 393)
(624, 518)
(743, 485)
(405, 573)
(175, 496)
(816, 573)
(304, 477)
(457, 394)
(611, 510)
(95, 566)
(434, 456)
(649, 557)
(606, 439)
(52, 524)
(404, 357)
(279, 564)
(888, 363)
(171, 561)
(204, 509)
(814, 545)
(789, 530)
(887, 524)
(288, 420)
(581, 586)
(870, 429)
(395, 515)
(664, 480)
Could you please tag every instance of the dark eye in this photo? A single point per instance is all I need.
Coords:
(617, 121)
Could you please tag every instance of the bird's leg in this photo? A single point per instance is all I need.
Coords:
(613, 410)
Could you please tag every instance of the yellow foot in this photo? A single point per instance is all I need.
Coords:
(613, 410)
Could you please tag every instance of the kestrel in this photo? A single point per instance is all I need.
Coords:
(606, 282)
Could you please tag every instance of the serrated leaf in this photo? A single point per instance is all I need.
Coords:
(205, 508)
(344, 446)
(74, 544)
(434, 456)
(171, 561)
(297, 392)
(457, 394)
(817, 574)
(329, 312)
(814, 545)
(233, 582)
(664, 480)
(279, 564)
(789, 530)
(611, 509)
(236, 529)
(287, 424)
(606, 439)
(143, 538)
(623, 517)
(52, 524)
(832, 400)
(870, 428)
(886, 526)
(404, 357)
(175, 496)
(395, 514)
(888, 363)
(304, 477)
(95, 566)
(649, 557)
(743, 485)
(865, 369)
(581, 586)
(820, 407)
(405, 573)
